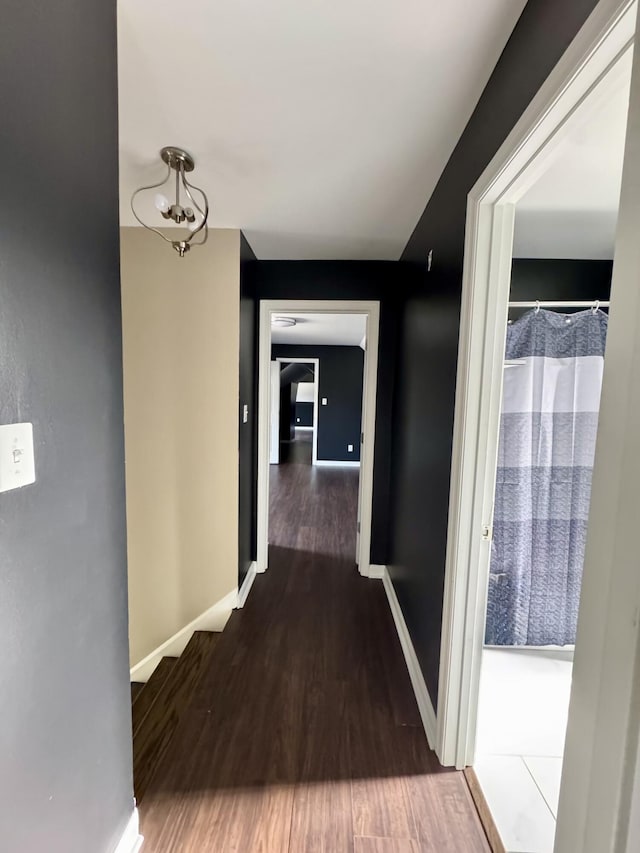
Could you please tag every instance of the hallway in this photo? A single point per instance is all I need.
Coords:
(305, 735)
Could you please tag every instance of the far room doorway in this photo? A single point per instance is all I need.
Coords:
(317, 388)
(317, 380)
(293, 428)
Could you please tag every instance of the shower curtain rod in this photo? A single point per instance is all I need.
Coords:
(595, 303)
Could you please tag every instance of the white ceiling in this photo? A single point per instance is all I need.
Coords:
(572, 210)
(330, 329)
(319, 127)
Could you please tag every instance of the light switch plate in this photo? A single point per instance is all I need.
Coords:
(17, 465)
(324, 401)
(245, 413)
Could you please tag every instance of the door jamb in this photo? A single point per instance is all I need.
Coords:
(371, 309)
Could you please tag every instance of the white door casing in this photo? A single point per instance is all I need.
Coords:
(365, 495)
(274, 412)
(604, 722)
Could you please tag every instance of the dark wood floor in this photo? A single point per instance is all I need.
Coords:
(304, 735)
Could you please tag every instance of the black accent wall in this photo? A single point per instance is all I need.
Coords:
(304, 414)
(65, 705)
(386, 281)
(429, 325)
(248, 431)
(340, 381)
(559, 279)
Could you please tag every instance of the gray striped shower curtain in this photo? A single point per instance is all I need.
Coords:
(551, 397)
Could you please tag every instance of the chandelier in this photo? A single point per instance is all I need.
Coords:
(191, 214)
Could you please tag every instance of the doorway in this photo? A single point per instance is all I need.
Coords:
(594, 796)
(293, 407)
(563, 247)
(344, 418)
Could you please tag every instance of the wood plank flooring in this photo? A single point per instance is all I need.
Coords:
(304, 735)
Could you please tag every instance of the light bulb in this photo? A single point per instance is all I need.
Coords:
(162, 203)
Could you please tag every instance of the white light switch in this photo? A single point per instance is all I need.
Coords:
(324, 401)
(245, 413)
(349, 448)
(17, 467)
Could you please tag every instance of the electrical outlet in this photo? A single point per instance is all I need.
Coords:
(350, 448)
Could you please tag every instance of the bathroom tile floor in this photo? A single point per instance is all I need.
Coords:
(524, 704)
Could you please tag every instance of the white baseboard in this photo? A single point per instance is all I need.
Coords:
(376, 571)
(247, 583)
(425, 706)
(337, 463)
(131, 840)
(213, 619)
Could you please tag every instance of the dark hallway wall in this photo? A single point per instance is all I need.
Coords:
(340, 381)
(388, 282)
(429, 325)
(248, 430)
(65, 707)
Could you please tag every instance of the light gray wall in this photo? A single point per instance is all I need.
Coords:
(65, 740)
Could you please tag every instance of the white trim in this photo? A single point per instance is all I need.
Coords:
(534, 141)
(305, 428)
(365, 495)
(425, 706)
(377, 572)
(337, 463)
(213, 619)
(316, 384)
(131, 840)
(247, 583)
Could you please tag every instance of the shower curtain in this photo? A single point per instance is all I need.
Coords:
(551, 396)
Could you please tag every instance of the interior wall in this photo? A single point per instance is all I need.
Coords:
(181, 342)
(559, 280)
(248, 429)
(429, 325)
(304, 410)
(384, 281)
(340, 375)
(65, 705)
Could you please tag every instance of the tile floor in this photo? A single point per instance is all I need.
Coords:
(524, 704)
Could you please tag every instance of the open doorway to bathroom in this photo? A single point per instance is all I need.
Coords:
(563, 248)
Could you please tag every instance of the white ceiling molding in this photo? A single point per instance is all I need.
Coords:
(320, 129)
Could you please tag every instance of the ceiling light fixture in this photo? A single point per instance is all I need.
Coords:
(283, 321)
(195, 216)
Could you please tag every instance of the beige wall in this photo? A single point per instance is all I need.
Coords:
(181, 343)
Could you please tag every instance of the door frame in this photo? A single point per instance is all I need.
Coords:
(316, 367)
(371, 309)
(600, 666)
